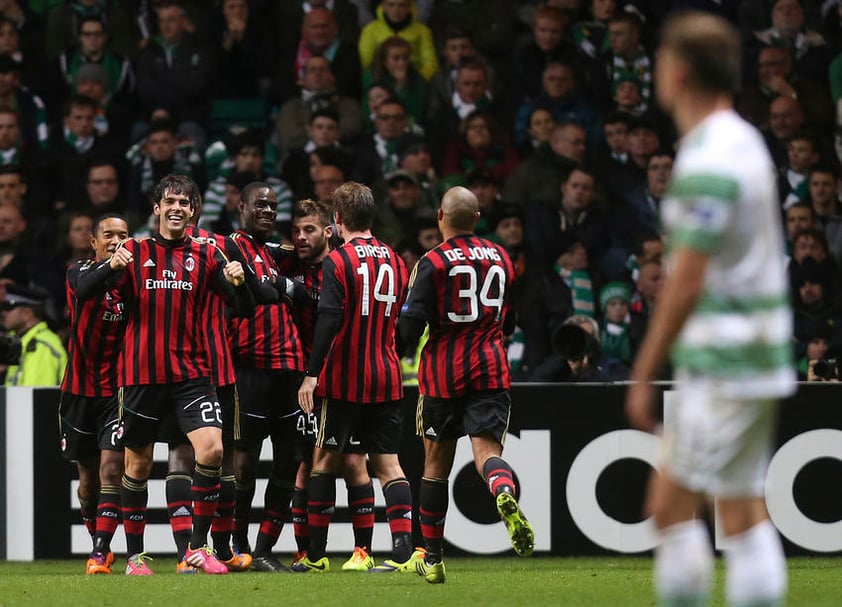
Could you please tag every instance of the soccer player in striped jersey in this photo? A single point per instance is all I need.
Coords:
(88, 411)
(461, 289)
(164, 366)
(269, 360)
(311, 235)
(723, 315)
(357, 370)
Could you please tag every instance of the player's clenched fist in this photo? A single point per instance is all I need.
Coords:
(120, 259)
(233, 272)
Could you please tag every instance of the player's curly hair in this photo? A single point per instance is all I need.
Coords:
(308, 206)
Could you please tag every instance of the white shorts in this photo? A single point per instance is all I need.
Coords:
(717, 445)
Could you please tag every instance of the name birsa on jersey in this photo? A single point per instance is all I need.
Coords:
(472, 254)
(367, 250)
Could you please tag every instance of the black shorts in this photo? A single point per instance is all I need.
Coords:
(170, 432)
(269, 407)
(360, 427)
(88, 425)
(482, 412)
(193, 403)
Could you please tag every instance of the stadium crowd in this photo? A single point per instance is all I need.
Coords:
(544, 110)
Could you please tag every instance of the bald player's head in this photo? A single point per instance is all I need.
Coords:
(459, 209)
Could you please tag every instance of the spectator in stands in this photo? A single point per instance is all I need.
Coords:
(627, 57)
(13, 186)
(802, 155)
(391, 66)
(775, 78)
(290, 20)
(159, 154)
(246, 151)
(426, 232)
(377, 154)
(64, 25)
(322, 132)
(481, 145)
(553, 226)
(824, 192)
(317, 91)
(560, 97)
(811, 243)
(457, 45)
(102, 187)
(13, 152)
(36, 72)
(591, 36)
(114, 113)
(492, 25)
(548, 42)
(415, 158)
(175, 73)
(472, 93)
(397, 18)
(240, 51)
(814, 315)
(539, 131)
(799, 216)
(539, 177)
(76, 242)
(643, 141)
(613, 154)
(31, 111)
(28, 25)
(398, 215)
(72, 150)
(785, 119)
(508, 231)
(226, 220)
(614, 300)
(810, 53)
(576, 353)
(323, 33)
(326, 178)
(650, 278)
(93, 48)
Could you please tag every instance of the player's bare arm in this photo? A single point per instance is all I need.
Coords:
(681, 291)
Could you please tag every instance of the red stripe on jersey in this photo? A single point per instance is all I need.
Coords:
(270, 339)
(368, 283)
(472, 281)
(167, 288)
(97, 326)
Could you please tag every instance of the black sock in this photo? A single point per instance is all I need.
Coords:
(180, 509)
(432, 512)
(223, 522)
(87, 510)
(398, 495)
(205, 501)
(361, 504)
(107, 518)
(299, 519)
(320, 507)
(498, 476)
(134, 496)
(275, 511)
(243, 497)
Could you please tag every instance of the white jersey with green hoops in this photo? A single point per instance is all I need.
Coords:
(723, 202)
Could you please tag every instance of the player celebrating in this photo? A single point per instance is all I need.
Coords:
(357, 370)
(460, 288)
(164, 366)
(311, 234)
(723, 313)
(88, 410)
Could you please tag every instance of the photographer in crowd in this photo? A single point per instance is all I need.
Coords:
(576, 353)
(34, 353)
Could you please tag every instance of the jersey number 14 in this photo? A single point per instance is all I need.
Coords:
(384, 288)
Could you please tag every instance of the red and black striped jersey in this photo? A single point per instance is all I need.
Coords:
(167, 288)
(270, 339)
(221, 363)
(310, 275)
(461, 288)
(97, 327)
(365, 280)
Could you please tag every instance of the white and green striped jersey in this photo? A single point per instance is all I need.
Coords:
(723, 202)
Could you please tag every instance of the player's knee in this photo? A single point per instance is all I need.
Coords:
(138, 468)
(210, 455)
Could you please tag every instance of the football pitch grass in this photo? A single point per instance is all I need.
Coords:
(534, 582)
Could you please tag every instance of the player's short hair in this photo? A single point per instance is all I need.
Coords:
(177, 184)
(106, 216)
(252, 187)
(308, 207)
(709, 45)
(354, 202)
